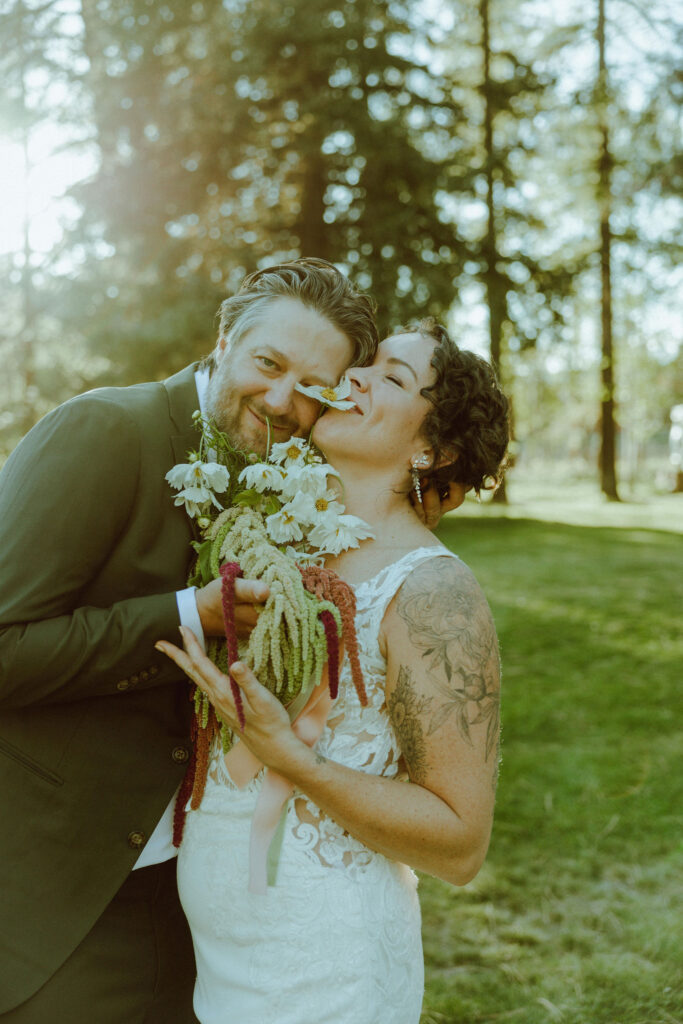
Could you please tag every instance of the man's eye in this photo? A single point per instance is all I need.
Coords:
(268, 364)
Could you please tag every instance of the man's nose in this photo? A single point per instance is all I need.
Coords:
(280, 396)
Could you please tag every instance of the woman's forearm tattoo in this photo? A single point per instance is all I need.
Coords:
(405, 711)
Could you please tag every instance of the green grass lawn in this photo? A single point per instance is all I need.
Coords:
(575, 916)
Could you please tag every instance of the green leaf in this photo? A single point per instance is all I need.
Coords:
(249, 497)
(272, 505)
(203, 570)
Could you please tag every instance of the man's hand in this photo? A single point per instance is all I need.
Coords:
(434, 505)
(248, 595)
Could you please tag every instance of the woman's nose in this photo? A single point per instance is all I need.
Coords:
(357, 378)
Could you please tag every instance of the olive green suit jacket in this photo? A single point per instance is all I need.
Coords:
(94, 723)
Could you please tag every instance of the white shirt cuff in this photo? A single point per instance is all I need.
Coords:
(189, 616)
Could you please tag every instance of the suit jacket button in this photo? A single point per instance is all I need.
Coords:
(136, 839)
(134, 680)
(180, 755)
(122, 685)
(153, 670)
(144, 675)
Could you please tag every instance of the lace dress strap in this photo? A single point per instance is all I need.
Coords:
(374, 595)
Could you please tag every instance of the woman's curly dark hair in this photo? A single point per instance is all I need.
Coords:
(468, 422)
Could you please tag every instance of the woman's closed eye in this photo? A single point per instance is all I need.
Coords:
(396, 380)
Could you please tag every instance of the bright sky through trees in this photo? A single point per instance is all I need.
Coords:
(203, 139)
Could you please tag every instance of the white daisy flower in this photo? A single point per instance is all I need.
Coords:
(292, 452)
(181, 475)
(308, 479)
(262, 477)
(283, 527)
(196, 500)
(199, 474)
(309, 508)
(335, 533)
(336, 397)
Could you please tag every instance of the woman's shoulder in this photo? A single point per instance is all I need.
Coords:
(439, 589)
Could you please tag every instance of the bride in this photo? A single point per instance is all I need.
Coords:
(409, 779)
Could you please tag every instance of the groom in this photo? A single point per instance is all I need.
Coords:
(94, 724)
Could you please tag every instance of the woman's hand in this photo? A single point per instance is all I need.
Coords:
(267, 731)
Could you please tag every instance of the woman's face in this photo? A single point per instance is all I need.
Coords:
(385, 426)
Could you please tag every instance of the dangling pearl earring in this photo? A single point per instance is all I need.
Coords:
(423, 463)
(416, 484)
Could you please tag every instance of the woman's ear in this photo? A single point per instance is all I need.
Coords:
(446, 459)
(422, 461)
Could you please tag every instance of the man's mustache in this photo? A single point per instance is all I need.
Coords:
(275, 424)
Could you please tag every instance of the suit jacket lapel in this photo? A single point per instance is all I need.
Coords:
(182, 402)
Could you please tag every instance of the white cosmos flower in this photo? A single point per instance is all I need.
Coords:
(289, 452)
(198, 474)
(283, 527)
(335, 533)
(196, 500)
(181, 475)
(308, 479)
(312, 509)
(262, 477)
(336, 397)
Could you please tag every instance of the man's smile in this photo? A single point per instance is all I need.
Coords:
(286, 428)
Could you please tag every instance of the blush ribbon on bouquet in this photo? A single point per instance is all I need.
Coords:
(268, 822)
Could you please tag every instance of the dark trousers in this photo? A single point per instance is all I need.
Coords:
(136, 965)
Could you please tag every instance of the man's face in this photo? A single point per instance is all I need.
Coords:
(254, 381)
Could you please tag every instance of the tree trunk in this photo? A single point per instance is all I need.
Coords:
(495, 287)
(608, 474)
(310, 226)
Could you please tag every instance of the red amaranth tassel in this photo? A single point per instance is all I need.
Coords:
(230, 571)
(186, 787)
(328, 586)
(202, 751)
(327, 619)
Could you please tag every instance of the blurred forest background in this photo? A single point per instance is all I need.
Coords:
(513, 168)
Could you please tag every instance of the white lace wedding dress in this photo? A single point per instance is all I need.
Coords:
(337, 939)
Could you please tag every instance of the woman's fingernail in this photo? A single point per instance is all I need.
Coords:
(159, 647)
(237, 668)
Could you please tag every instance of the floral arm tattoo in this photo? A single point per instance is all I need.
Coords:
(405, 711)
(449, 623)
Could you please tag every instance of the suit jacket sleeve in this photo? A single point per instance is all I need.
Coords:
(66, 495)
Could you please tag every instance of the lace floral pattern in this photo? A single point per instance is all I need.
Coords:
(358, 737)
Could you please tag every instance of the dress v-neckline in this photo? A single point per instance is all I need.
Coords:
(441, 548)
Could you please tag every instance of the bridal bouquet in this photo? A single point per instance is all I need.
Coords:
(272, 520)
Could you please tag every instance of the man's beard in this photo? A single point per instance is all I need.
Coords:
(229, 411)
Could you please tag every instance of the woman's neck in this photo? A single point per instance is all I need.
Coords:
(373, 497)
(377, 500)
